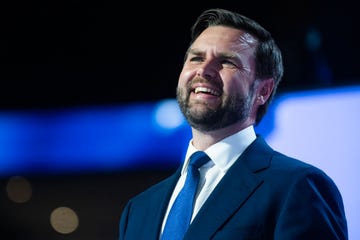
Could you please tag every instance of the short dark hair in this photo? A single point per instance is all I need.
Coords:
(268, 58)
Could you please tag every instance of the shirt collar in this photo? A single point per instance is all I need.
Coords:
(224, 153)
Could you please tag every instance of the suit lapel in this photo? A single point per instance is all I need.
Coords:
(157, 205)
(232, 191)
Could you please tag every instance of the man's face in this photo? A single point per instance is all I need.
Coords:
(216, 85)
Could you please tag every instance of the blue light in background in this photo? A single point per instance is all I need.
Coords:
(92, 139)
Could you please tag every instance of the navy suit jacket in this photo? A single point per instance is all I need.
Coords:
(264, 195)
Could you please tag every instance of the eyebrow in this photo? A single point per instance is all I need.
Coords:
(231, 55)
(195, 51)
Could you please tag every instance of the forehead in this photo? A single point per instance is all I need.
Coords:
(223, 37)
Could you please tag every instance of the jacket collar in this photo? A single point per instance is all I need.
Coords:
(234, 189)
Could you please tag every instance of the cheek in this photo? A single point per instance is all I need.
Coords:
(236, 88)
(185, 76)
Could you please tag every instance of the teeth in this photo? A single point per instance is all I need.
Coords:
(201, 89)
(206, 90)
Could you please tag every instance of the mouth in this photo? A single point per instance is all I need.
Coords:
(206, 90)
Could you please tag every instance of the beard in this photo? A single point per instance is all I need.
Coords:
(233, 109)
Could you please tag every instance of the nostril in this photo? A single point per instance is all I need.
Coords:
(199, 72)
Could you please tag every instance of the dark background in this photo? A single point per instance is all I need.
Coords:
(65, 53)
(80, 53)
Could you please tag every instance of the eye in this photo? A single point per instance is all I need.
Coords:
(229, 63)
(196, 59)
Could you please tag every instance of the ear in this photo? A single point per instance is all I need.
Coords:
(264, 90)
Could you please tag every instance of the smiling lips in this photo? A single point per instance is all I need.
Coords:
(206, 90)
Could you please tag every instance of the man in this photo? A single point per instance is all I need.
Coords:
(247, 190)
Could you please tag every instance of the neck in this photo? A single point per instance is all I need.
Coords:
(203, 140)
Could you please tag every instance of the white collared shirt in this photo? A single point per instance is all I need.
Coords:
(223, 155)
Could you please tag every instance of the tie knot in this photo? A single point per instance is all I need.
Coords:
(198, 159)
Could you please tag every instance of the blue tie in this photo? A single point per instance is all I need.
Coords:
(180, 214)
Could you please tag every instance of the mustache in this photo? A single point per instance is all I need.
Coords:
(198, 79)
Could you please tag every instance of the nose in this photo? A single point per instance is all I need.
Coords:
(206, 71)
